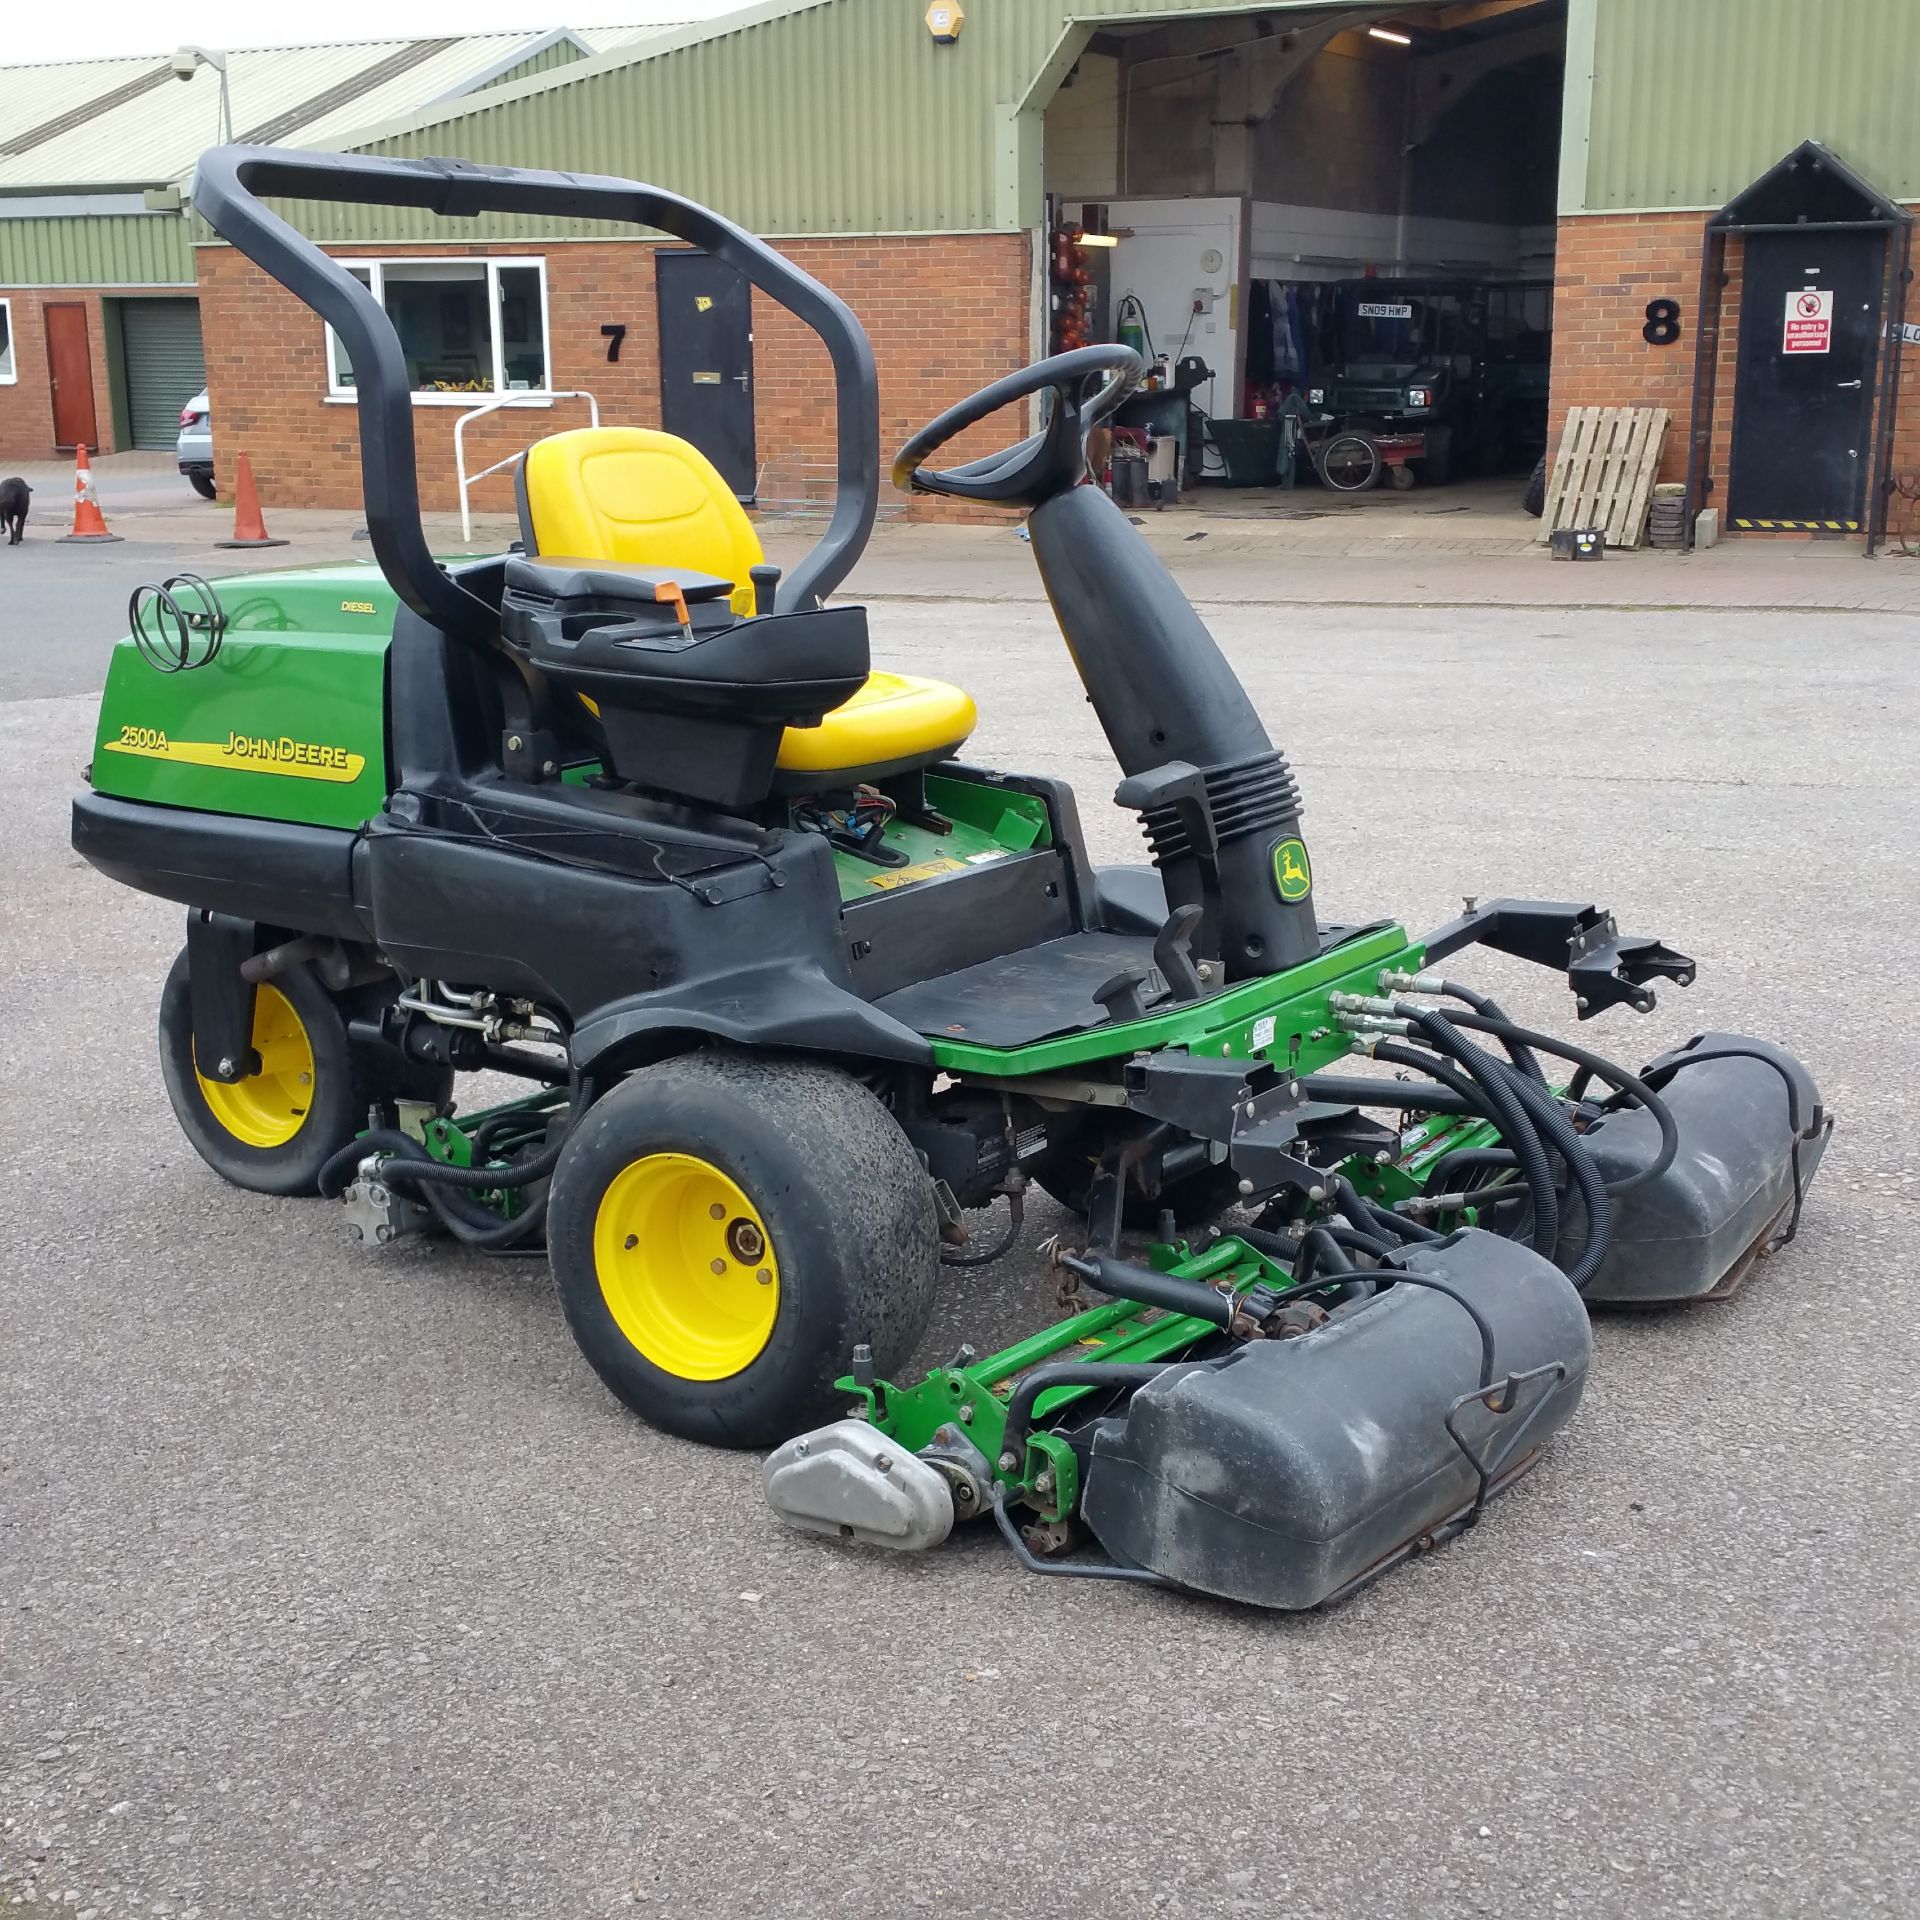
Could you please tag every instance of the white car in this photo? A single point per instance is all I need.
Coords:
(195, 448)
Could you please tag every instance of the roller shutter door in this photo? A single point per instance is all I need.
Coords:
(165, 366)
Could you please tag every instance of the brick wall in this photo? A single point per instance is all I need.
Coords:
(1606, 269)
(945, 313)
(26, 406)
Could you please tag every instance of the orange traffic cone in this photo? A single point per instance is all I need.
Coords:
(249, 525)
(89, 523)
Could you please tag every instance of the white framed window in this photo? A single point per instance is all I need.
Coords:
(7, 373)
(468, 328)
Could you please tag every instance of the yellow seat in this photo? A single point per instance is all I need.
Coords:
(641, 498)
(650, 499)
(892, 723)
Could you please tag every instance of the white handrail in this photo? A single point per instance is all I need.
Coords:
(469, 481)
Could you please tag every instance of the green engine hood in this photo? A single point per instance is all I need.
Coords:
(286, 722)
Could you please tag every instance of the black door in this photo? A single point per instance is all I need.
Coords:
(1803, 392)
(706, 360)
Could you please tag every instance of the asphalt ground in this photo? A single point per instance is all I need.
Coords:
(333, 1583)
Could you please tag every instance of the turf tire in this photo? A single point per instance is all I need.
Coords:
(346, 1082)
(847, 1206)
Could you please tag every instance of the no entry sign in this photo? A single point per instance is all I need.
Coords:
(1809, 321)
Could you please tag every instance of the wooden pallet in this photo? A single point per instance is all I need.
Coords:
(1603, 474)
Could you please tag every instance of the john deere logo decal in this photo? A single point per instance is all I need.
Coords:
(245, 753)
(1292, 876)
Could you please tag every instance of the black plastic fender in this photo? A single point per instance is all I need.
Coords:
(1287, 1472)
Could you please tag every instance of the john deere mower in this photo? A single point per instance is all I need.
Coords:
(799, 992)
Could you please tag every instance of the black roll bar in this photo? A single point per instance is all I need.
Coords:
(227, 195)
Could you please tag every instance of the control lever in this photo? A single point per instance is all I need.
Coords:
(1183, 787)
(1121, 995)
(765, 578)
(1180, 787)
(1173, 954)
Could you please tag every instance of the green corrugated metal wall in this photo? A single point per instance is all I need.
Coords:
(1694, 99)
(844, 117)
(97, 250)
(841, 117)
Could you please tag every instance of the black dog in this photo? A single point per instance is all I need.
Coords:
(14, 495)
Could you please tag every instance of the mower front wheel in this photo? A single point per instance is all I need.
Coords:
(724, 1229)
(274, 1129)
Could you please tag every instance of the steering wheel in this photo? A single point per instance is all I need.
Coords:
(1043, 464)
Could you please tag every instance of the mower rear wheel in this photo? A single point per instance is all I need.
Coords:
(308, 1096)
(724, 1229)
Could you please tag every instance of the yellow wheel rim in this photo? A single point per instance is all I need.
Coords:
(267, 1108)
(686, 1266)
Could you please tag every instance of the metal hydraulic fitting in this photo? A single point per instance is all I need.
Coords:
(1366, 1032)
(1360, 1003)
(1373, 1023)
(1393, 980)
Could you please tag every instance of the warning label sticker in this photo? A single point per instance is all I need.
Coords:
(1809, 321)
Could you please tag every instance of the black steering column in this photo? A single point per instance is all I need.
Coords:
(1219, 802)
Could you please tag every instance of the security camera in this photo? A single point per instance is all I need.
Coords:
(185, 64)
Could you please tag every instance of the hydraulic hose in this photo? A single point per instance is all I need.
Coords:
(1352, 1208)
(472, 1225)
(1353, 1240)
(1319, 1249)
(417, 1167)
(1385, 1220)
(1581, 1166)
(1483, 1006)
(1590, 1063)
(504, 1132)
(1498, 1080)
(489, 1234)
(1447, 1171)
(1368, 1218)
(1276, 1246)
(1550, 1118)
(1492, 1099)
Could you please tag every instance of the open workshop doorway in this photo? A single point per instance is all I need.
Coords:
(1332, 229)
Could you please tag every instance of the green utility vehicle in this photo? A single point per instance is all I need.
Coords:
(1426, 378)
(799, 991)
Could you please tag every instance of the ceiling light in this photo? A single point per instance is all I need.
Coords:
(1388, 34)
